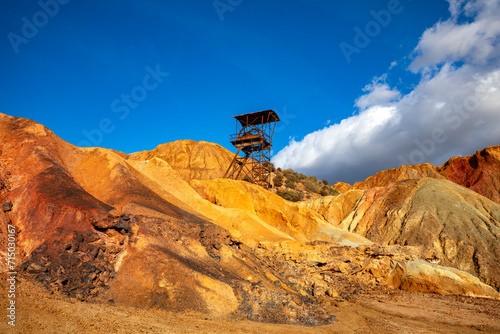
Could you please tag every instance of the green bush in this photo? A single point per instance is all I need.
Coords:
(328, 191)
(294, 176)
(278, 181)
(313, 187)
(270, 167)
(291, 195)
(313, 179)
(290, 178)
(290, 175)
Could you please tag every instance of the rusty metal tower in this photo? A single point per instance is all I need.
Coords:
(253, 137)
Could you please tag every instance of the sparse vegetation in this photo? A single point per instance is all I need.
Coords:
(328, 191)
(290, 184)
(291, 195)
(312, 186)
(295, 186)
(270, 167)
(278, 180)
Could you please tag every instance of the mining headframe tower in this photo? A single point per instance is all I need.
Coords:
(254, 137)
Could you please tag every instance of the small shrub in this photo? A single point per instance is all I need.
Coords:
(301, 176)
(325, 191)
(328, 191)
(313, 179)
(270, 167)
(278, 181)
(290, 175)
(312, 187)
(291, 195)
(290, 184)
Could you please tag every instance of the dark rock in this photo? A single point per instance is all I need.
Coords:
(36, 268)
(83, 247)
(40, 249)
(93, 253)
(113, 249)
(7, 206)
(125, 217)
(124, 226)
(91, 237)
(25, 265)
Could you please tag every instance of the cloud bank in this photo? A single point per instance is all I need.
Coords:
(454, 110)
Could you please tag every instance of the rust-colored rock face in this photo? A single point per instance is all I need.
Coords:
(405, 172)
(157, 229)
(479, 172)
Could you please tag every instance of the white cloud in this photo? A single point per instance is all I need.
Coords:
(455, 109)
(476, 43)
(455, 8)
(379, 93)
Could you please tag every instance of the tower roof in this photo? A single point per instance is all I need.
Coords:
(256, 118)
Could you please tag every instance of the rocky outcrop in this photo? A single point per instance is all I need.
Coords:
(327, 270)
(342, 187)
(418, 275)
(454, 226)
(335, 209)
(479, 172)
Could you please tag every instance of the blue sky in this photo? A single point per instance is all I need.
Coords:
(130, 75)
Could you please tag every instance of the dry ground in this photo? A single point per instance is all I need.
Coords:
(40, 312)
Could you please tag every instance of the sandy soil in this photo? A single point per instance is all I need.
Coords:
(40, 312)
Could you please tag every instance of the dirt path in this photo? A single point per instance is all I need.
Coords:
(39, 312)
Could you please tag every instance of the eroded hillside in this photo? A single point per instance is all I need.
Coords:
(160, 229)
